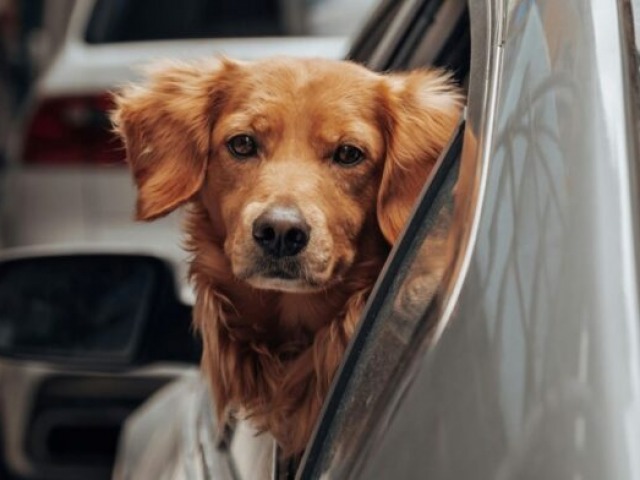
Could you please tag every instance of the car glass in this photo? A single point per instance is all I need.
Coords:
(115, 21)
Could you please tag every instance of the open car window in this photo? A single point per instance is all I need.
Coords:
(393, 327)
(402, 313)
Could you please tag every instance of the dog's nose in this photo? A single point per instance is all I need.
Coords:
(281, 231)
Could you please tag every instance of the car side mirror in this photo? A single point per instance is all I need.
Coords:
(110, 309)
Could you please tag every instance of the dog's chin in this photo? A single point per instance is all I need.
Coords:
(291, 280)
(285, 275)
(283, 284)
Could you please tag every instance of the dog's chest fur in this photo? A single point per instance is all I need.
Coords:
(273, 354)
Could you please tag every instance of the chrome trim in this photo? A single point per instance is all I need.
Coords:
(475, 164)
(631, 81)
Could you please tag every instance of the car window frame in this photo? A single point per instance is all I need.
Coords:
(382, 60)
(630, 44)
(380, 295)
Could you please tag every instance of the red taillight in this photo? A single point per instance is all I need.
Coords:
(72, 130)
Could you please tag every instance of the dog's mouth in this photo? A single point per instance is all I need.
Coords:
(280, 275)
(285, 274)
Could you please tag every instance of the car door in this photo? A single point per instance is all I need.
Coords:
(525, 362)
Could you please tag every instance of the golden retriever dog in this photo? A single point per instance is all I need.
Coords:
(298, 175)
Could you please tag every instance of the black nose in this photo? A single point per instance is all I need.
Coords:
(281, 231)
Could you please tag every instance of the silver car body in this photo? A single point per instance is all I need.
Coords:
(533, 370)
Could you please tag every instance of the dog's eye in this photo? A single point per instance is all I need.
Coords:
(348, 155)
(242, 146)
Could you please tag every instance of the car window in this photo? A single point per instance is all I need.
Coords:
(404, 309)
(126, 21)
(393, 326)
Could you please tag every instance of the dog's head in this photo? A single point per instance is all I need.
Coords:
(293, 159)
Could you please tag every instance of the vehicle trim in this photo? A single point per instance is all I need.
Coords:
(485, 73)
(631, 82)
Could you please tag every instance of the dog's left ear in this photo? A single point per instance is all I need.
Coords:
(165, 123)
(422, 109)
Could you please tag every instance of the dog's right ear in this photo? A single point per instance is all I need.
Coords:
(165, 124)
(421, 109)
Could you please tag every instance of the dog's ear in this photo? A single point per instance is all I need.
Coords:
(165, 124)
(421, 109)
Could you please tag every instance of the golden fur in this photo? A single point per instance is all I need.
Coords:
(272, 346)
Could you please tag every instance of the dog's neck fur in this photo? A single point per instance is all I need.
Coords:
(273, 352)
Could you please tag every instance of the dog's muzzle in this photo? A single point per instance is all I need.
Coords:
(282, 254)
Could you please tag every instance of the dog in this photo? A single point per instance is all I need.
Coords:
(298, 176)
